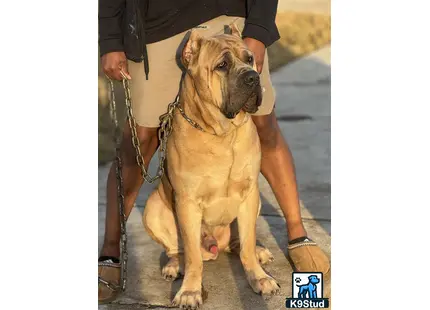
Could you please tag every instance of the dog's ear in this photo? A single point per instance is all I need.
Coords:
(235, 30)
(191, 48)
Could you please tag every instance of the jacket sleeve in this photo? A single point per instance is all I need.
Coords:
(110, 26)
(260, 21)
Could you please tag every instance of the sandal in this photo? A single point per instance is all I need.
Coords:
(306, 256)
(109, 278)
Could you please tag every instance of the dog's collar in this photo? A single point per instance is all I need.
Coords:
(176, 105)
(189, 120)
(166, 118)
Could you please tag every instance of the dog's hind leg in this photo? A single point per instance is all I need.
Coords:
(160, 223)
(264, 256)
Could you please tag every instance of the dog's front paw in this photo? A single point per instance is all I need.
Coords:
(171, 270)
(264, 256)
(266, 286)
(188, 299)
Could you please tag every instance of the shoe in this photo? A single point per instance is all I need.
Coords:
(109, 278)
(306, 256)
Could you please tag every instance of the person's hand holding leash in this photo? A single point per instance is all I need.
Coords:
(258, 49)
(113, 63)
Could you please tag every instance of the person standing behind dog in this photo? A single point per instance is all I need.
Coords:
(141, 39)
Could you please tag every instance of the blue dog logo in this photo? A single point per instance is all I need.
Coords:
(309, 290)
(309, 295)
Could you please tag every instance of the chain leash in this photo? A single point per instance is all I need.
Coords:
(163, 134)
(120, 189)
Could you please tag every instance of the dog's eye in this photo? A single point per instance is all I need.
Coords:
(222, 65)
(250, 59)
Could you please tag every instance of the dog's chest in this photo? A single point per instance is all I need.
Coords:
(216, 173)
(220, 203)
(226, 190)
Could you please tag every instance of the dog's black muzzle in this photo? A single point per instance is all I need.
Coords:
(252, 81)
(248, 95)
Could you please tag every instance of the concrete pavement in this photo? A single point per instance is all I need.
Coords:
(303, 110)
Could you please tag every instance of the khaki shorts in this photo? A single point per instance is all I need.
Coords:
(151, 97)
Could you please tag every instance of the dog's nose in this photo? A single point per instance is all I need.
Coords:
(251, 78)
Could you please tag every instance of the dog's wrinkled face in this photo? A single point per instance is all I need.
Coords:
(223, 70)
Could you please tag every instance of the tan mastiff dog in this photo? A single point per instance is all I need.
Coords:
(208, 200)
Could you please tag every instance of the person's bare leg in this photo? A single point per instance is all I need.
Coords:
(278, 168)
(132, 183)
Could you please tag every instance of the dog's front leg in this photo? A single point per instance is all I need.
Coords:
(260, 282)
(190, 221)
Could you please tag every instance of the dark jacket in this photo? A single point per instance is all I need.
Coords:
(128, 25)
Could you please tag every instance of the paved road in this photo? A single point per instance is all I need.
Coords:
(303, 90)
